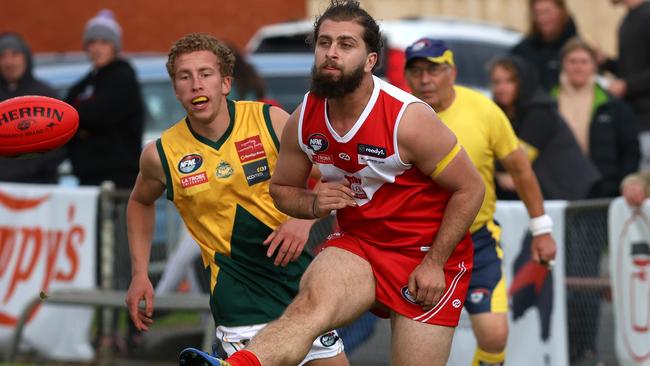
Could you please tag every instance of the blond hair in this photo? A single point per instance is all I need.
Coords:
(201, 42)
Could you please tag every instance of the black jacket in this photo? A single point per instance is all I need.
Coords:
(633, 64)
(111, 113)
(42, 169)
(562, 170)
(545, 56)
(613, 142)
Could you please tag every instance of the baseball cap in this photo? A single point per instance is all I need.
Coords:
(433, 50)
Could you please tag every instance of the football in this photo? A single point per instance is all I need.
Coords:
(35, 124)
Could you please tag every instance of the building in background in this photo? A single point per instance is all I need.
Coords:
(148, 25)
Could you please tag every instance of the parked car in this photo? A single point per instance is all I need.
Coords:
(474, 44)
(286, 77)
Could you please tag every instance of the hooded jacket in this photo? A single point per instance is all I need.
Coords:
(42, 169)
(545, 55)
(562, 170)
(111, 117)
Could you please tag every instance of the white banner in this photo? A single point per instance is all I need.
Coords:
(47, 242)
(629, 248)
(537, 316)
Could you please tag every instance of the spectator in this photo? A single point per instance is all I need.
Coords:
(247, 83)
(603, 127)
(550, 27)
(633, 68)
(111, 112)
(602, 124)
(16, 79)
(635, 188)
(561, 168)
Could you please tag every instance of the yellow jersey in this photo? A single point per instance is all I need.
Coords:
(221, 190)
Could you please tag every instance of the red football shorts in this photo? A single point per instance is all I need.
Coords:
(392, 269)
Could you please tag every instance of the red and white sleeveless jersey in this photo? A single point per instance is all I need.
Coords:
(398, 206)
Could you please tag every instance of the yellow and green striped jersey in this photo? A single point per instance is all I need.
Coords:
(221, 190)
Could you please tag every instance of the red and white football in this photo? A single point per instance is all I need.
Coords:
(34, 124)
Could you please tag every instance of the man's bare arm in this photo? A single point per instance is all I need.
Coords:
(425, 141)
(149, 186)
(543, 247)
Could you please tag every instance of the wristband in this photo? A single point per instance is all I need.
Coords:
(540, 225)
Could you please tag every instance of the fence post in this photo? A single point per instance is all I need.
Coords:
(106, 247)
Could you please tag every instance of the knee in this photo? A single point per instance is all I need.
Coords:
(311, 307)
(494, 341)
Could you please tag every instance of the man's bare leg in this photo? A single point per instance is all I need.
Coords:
(336, 289)
(419, 344)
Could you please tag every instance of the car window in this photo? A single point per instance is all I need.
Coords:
(163, 109)
(473, 59)
(288, 91)
(282, 44)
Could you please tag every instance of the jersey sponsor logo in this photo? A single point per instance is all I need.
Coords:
(224, 170)
(318, 142)
(190, 163)
(194, 180)
(356, 187)
(456, 303)
(323, 159)
(407, 295)
(344, 156)
(364, 160)
(329, 339)
(250, 149)
(257, 171)
(370, 150)
(479, 295)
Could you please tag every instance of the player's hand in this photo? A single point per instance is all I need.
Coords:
(290, 239)
(332, 196)
(427, 283)
(140, 289)
(543, 249)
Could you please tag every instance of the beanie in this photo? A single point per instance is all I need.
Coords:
(104, 26)
(14, 42)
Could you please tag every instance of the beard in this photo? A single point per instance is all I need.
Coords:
(326, 86)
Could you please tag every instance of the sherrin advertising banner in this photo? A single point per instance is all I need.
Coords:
(47, 242)
(629, 255)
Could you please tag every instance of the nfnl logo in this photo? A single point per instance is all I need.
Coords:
(190, 163)
(406, 294)
(318, 142)
(329, 339)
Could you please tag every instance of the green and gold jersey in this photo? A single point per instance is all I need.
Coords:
(221, 190)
